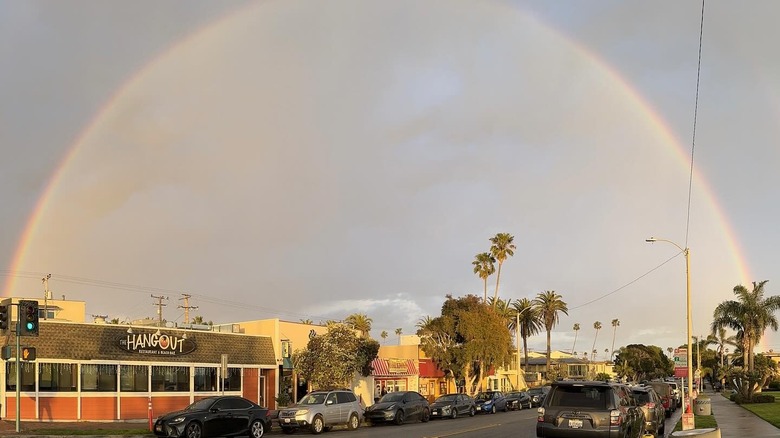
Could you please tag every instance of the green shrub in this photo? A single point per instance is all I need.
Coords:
(763, 398)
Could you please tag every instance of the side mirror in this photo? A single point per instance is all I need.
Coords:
(328, 402)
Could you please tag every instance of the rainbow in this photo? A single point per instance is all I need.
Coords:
(679, 149)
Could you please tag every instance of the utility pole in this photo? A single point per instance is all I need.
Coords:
(45, 281)
(159, 307)
(187, 307)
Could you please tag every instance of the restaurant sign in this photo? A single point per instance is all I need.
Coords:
(159, 344)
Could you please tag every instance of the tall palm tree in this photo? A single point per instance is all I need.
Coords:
(504, 310)
(597, 326)
(530, 323)
(751, 314)
(549, 305)
(307, 321)
(383, 335)
(501, 248)
(360, 322)
(670, 350)
(576, 329)
(615, 325)
(721, 340)
(398, 332)
(484, 267)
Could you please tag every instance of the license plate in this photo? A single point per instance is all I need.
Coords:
(479, 408)
(286, 420)
(434, 413)
(158, 428)
(575, 424)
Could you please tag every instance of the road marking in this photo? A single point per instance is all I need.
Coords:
(473, 429)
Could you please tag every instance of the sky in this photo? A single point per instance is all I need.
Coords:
(310, 160)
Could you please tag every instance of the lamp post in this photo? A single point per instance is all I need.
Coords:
(687, 253)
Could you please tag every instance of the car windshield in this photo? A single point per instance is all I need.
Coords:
(316, 398)
(580, 396)
(642, 397)
(535, 391)
(484, 396)
(446, 398)
(200, 405)
(392, 397)
(513, 394)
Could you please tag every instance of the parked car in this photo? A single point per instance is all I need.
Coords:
(589, 409)
(652, 408)
(399, 407)
(664, 390)
(452, 405)
(321, 410)
(215, 416)
(538, 395)
(515, 400)
(490, 401)
(676, 394)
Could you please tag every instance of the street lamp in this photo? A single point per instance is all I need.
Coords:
(689, 358)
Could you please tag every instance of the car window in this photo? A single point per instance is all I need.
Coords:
(316, 398)
(345, 397)
(392, 397)
(237, 403)
(331, 399)
(580, 396)
(221, 405)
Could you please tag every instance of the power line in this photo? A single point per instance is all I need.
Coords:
(695, 119)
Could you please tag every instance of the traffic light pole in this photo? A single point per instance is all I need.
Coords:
(18, 370)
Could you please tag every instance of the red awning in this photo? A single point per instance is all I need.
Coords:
(429, 369)
(393, 367)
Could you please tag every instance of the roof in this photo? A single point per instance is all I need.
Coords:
(393, 367)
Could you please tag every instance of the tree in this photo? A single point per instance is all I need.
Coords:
(751, 314)
(333, 359)
(615, 324)
(198, 319)
(637, 362)
(360, 322)
(670, 350)
(398, 332)
(504, 310)
(307, 321)
(530, 324)
(466, 340)
(383, 335)
(597, 326)
(576, 329)
(484, 267)
(501, 248)
(549, 304)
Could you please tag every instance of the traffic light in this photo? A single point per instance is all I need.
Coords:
(5, 314)
(28, 318)
(28, 353)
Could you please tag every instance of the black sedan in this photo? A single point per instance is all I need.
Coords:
(215, 416)
(399, 407)
(516, 400)
(452, 405)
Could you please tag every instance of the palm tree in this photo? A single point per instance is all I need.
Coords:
(606, 352)
(383, 335)
(615, 325)
(597, 326)
(530, 324)
(670, 350)
(751, 314)
(504, 309)
(549, 304)
(360, 322)
(576, 329)
(398, 332)
(307, 321)
(484, 267)
(721, 340)
(501, 248)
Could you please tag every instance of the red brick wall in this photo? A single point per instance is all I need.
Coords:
(27, 407)
(250, 383)
(98, 408)
(57, 408)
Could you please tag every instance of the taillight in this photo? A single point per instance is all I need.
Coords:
(614, 417)
(650, 405)
(540, 414)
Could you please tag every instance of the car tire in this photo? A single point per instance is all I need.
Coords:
(506, 408)
(193, 430)
(256, 429)
(662, 429)
(426, 415)
(399, 418)
(317, 425)
(288, 430)
(472, 411)
(354, 422)
(454, 413)
(493, 409)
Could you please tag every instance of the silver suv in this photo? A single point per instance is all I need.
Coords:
(321, 410)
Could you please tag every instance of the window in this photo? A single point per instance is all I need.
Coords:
(27, 373)
(134, 378)
(57, 377)
(99, 378)
(331, 399)
(346, 397)
(237, 403)
(205, 379)
(170, 378)
(233, 380)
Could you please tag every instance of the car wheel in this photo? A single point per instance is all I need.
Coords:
(454, 413)
(493, 409)
(472, 411)
(426, 415)
(256, 429)
(399, 418)
(662, 429)
(194, 430)
(354, 422)
(506, 408)
(288, 430)
(317, 425)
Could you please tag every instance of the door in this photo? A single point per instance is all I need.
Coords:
(331, 413)
(215, 422)
(238, 415)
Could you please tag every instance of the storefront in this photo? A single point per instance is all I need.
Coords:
(391, 375)
(104, 372)
(433, 382)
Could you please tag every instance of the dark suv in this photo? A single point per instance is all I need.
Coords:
(589, 409)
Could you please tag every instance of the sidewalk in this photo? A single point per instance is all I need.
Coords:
(737, 422)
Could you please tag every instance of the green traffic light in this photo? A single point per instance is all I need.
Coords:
(30, 326)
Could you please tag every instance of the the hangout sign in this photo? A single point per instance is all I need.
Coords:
(156, 344)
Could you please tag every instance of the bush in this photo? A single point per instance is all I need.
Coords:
(774, 385)
(763, 398)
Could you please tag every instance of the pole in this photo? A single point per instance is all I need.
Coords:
(687, 252)
(18, 374)
(517, 340)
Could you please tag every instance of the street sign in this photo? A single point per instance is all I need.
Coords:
(680, 362)
(224, 365)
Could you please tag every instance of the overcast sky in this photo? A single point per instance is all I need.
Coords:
(309, 160)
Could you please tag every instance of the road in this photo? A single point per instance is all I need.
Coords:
(515, 424)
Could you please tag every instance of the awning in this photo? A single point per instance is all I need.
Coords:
(393, 367)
